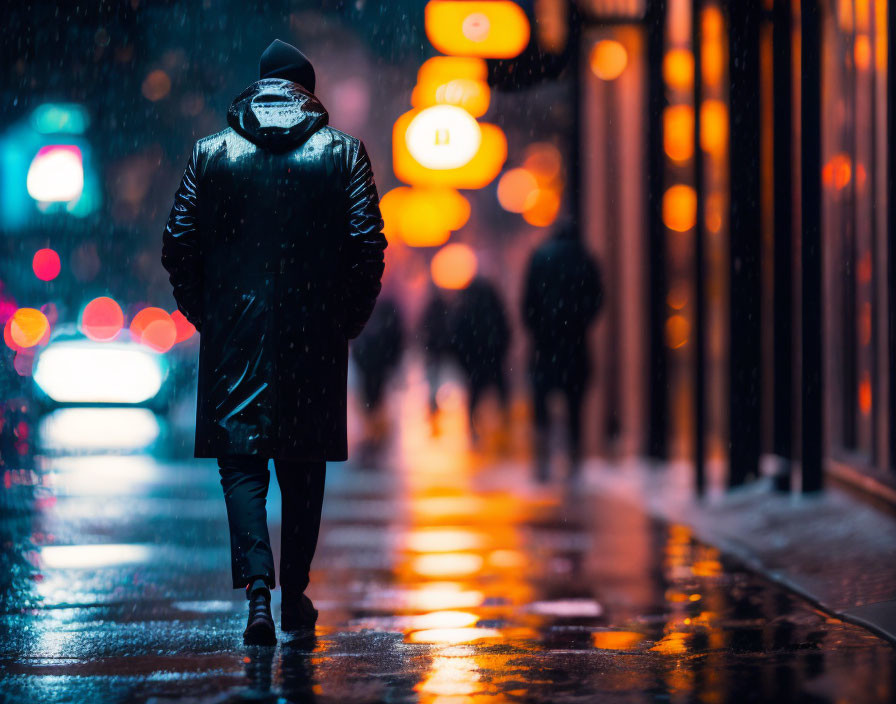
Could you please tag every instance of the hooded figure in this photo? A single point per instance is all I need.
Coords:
(563, 295)
(275, 251)
(274, 248)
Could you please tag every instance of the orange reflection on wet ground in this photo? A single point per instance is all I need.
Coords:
(499, 590)
(445, 576)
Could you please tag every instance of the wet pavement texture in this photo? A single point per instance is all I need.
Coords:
(441, 577)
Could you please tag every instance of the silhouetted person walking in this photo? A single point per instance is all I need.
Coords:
(436, 338)
(275, 250)
(562, 297)
(480, 337)
(377, 353)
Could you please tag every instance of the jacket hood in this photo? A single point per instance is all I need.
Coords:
(276, 114)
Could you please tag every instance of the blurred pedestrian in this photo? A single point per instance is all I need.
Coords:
(563, 295)
(480, 338)
(436, 339)
(377, 353)
(275, 250)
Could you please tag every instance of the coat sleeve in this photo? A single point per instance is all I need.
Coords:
(364, 260)
(180, 246)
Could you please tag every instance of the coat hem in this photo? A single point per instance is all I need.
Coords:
(325, 457)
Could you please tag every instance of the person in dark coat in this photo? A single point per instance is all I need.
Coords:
(480, 338)
(377, 353)
(274, 248)
(562, 297)
(436, 339)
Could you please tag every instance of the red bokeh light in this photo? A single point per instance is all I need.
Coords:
(102, 319)
(184, 327)
(46, 264)
(154, 328)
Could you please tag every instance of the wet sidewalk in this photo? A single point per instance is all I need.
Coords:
(836, 548)
(440, 578)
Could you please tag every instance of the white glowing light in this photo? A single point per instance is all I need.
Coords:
(443, 137)
(56, 174)
(476, 27)
(92, 556)
(568, 608)
(84, 371)
(444, 619)
(453, 635)
(79, 429)
(103, 475)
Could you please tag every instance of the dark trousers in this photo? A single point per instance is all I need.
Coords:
(573, 394)
(482, 381)
(245, 479)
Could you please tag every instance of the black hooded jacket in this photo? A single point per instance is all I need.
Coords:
(274, 248)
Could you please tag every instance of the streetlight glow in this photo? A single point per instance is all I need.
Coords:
(443, 137)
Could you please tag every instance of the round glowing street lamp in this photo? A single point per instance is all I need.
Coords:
(443, 137)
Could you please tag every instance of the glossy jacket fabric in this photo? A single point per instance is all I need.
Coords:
(274, 248)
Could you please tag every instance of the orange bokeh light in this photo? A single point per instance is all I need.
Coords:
(424, 216)
(154, 328)
(680, 208)
(454, 266)
(184, 328)
(865, 395)
(472, 95)
(678, 132)
(440, 69)
(498, 29)
(862, 51)
(712, 46)
(390, 209)
(678, 69)
(544, 210)
(677, 331)
(714, 127)
(102, 319)
(837, 173)
(517, 190)
(543, 161)
(156, 85)
(28, 327)
(608, 59)
(481, 170)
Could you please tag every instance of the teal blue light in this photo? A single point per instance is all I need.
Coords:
(60, 118)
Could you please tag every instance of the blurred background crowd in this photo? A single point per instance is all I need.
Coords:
(605, 245)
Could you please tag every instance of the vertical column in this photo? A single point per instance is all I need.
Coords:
(891, 229)
(745, 351)
(812, 397)
(699, 247)
(657, 388)
(782, 387)
(574, 171)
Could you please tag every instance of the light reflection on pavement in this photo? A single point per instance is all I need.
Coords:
(444, 577)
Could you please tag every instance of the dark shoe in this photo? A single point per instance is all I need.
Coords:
(260, 627)
(297, 614)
